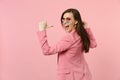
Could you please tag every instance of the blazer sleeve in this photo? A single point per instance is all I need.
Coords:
(93, 43)
(62, 45)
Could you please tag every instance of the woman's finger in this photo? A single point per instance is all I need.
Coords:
(49, 26)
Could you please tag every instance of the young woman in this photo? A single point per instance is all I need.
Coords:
(71, 48)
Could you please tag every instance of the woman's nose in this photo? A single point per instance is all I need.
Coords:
(65, 22)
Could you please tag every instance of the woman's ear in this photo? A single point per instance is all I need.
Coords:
(76, 22)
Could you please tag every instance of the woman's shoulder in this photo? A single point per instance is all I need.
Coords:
(68, 37)
(71, 36)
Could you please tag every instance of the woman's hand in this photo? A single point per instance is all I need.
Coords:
(42, 25)
(85, 24)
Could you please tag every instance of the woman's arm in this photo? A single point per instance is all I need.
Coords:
(62, 45)
(93, 43)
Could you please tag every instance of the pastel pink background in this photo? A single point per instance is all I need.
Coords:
(20, 53)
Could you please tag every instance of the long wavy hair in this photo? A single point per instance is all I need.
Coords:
(79, 28)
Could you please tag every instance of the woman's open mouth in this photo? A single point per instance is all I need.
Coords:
(67, 27)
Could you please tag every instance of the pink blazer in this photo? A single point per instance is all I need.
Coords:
(71, 61)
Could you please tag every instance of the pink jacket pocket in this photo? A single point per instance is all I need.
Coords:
(64, 71)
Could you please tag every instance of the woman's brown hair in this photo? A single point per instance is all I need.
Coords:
(79, 28)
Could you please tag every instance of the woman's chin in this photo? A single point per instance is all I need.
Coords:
(67, 30)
